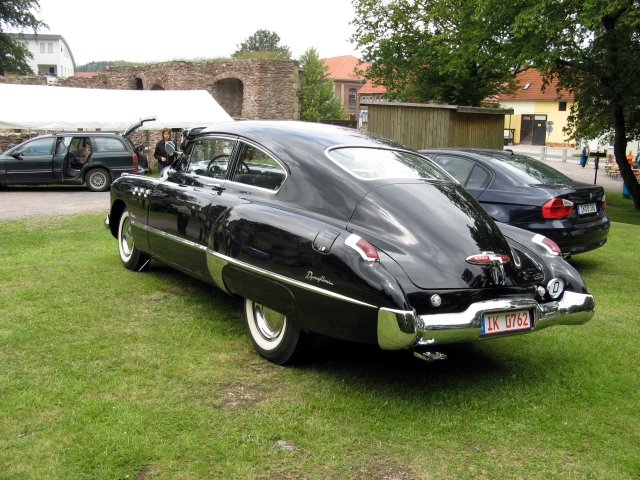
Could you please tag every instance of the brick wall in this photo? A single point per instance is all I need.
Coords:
(248, 89)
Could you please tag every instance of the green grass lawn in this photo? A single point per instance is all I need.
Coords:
(110, 374)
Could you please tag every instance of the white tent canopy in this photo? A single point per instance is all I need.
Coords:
(40, 107)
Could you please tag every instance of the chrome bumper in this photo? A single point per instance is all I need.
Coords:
(398, 329)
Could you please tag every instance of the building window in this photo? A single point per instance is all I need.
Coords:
(50, 47)
(526, 87)
(352, 97)
(42, 47)
(562, 106)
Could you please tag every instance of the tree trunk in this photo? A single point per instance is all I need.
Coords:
(620, 133)
(619, 147)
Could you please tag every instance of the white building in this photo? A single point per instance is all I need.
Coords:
(52, 56)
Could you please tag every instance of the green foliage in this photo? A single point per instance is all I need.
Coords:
(593, 48)
(99, 66)
(17, 14)
(262, 44)
(451, 51)
(317, 97)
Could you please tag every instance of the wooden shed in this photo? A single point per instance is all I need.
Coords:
(422, 125)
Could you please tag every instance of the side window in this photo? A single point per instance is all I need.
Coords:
(79, 151)
(39, 146)
(258, 169)
(459, 168)
(210, 157)
(106, 144)
(479, 178)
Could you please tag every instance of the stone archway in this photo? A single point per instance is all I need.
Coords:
(229, 93)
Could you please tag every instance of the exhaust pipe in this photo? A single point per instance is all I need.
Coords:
(428, 356)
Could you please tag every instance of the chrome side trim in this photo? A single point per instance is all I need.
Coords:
(404, 329)
(396, 329)
(215, 266)
(219, 261)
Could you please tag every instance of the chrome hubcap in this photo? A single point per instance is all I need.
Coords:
(269, 322)
(98, 180)
(126, 238)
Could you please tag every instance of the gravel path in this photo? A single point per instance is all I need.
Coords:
(21, 202)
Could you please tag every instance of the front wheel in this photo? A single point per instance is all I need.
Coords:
(131, 257)
(98, 180)
(274, 336)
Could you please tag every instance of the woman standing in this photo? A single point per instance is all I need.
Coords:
(160, 153)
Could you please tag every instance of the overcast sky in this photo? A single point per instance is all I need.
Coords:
(148, 31)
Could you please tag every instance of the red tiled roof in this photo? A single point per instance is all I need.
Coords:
(343, 68)
(534, 91)
(370, 89)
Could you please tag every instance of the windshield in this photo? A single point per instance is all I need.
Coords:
(376, 163)
(533, 172)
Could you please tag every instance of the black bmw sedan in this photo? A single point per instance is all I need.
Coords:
(529, 194)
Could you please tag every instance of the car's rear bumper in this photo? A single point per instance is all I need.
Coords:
(573, 237)
(404, 329)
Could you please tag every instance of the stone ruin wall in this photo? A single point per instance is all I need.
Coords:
(245, 89)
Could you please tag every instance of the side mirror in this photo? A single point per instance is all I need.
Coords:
(17, 155)
(170, 147)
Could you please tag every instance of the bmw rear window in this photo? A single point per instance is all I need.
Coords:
(376, 163)
(531, 171)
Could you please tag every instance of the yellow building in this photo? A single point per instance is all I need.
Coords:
(539, 116)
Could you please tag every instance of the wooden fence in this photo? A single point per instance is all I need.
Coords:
(419, 125)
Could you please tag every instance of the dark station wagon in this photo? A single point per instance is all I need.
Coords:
(75, 158)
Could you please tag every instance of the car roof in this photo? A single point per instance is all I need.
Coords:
(288, 132)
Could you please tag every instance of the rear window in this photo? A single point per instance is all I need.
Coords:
(531, 171)
(106, 144)
(376, 163)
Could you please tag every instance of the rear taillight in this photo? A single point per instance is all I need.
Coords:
(548, 244)
(604, 202)
(557, 208)
(367, 251)
(134, 159)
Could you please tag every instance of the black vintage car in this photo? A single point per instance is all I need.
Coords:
(331, 231)
(74, 158)
(530, 194)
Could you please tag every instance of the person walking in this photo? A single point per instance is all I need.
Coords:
(584, 155)
(160, 153)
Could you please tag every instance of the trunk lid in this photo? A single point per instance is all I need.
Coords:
(430, 229)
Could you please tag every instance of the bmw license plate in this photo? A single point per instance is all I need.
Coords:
(586, 208)
(495, 323)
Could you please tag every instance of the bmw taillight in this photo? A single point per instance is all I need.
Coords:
(557, 208)
(548, 244)
(134, 159)
(604, 202)
(367, 251)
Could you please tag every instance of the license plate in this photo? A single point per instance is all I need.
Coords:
(495, 323)
(586, 208)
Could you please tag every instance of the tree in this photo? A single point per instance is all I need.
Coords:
(16, 14)
(462, 51)
(317, 91)
(593, 48)
(450, 51)
(263, 44)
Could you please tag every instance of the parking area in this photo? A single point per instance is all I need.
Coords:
(21, 202)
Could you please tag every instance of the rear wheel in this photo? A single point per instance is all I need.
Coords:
(98, 180)
(131, 257)
(274, 336)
